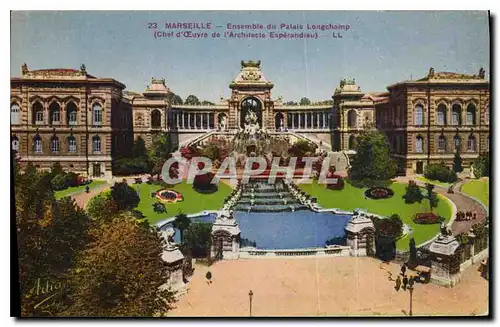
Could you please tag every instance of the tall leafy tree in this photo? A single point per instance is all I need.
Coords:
(121, 272)
(457, 162)
(176, 99)
(139, 149)
(431, 196)
(159, 152)
(482, 165)
(50, 234)
(192, 100)
(372, 161)
(124, 196)
(305, 101)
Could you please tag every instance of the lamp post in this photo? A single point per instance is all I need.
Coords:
(250, 294)
(408, 284)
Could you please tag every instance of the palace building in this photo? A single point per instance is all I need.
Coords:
(85, 122)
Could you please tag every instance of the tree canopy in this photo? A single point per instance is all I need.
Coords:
(372, 161)
(176, 99)
(305, 101)
(192, 100)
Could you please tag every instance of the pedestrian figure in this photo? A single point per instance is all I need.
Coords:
(474, 217)
(411, 282)
(403, 270)
(398, 283)
(405, 282)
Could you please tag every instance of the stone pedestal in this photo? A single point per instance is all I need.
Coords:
(174, 259)
(445, 261)
(225, 237)
(360, 234)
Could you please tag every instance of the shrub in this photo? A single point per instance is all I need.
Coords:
(390, 227)
(131, 166)
(124, 196)
(482, 165)
(59, 182)
(72, 179)
(203, 183)
(413, 193)
(440, 172)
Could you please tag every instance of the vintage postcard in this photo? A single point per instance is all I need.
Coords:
(251, 163)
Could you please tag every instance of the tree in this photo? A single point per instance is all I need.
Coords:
(139, 148)
(192, 100)
(176, 99)
(121, 272)
(372, 161)
(413, 193)
(125, 196)
(305, 101)
(102, 206)
(50, 235)
(159, 207)
(182, 223)
(197, 239)
(431, 196)
(207, 103)
(457, 162)
(482, 165)
(56, 169)
(290, 103)
(159, 152)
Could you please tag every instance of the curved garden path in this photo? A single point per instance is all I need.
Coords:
(463, 203)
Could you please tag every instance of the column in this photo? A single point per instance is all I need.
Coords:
(195, 120)
(208, 120)
(292, 116)
(324, 120)
(177, 118)
(306, 121)
(183, 120)
(317, 119)
(300, 120)
(201, 120)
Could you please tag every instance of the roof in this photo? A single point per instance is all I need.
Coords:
(251, 75)
(446, 77)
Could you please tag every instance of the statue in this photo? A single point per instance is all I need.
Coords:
(222, 123)
(481, 73)
(431, 72)
(83, 69)
(24, 69)
(168, 235)
(472, 175)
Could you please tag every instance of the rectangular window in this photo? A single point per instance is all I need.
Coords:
(39, 117)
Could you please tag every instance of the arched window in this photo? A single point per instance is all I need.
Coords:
(156, 119)
(15, 114)
(442, 143)
(471, 115)
(419, 115)
(457, 142)
(55, 113)
(456, 115)
(419, 144)
(54, 144)
(37, 144)
(352, 142)
(96, 144)
(487, 114)
(71, 144)
(97, 114)
(38, 113)
(441, 115)
(352, 118)
(72, 112)
(15, 143)
(471, 144)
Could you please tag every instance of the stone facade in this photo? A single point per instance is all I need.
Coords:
(53, 113)
(428, 119)
(360, 233)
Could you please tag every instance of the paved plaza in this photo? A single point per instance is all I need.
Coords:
(342, 286)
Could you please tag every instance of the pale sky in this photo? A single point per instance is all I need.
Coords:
(381, 48)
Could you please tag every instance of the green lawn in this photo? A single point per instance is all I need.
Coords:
(76, 189)
(479, 189)
(435, 182)
(193, 201)
(351, 198)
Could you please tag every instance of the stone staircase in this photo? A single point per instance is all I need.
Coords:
(340, 160)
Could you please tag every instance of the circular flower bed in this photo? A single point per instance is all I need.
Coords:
(376, 193)
(169, 196)
(427, 218)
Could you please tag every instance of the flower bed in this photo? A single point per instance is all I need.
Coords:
(169, 196)
(427, 218)
(376, 193)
